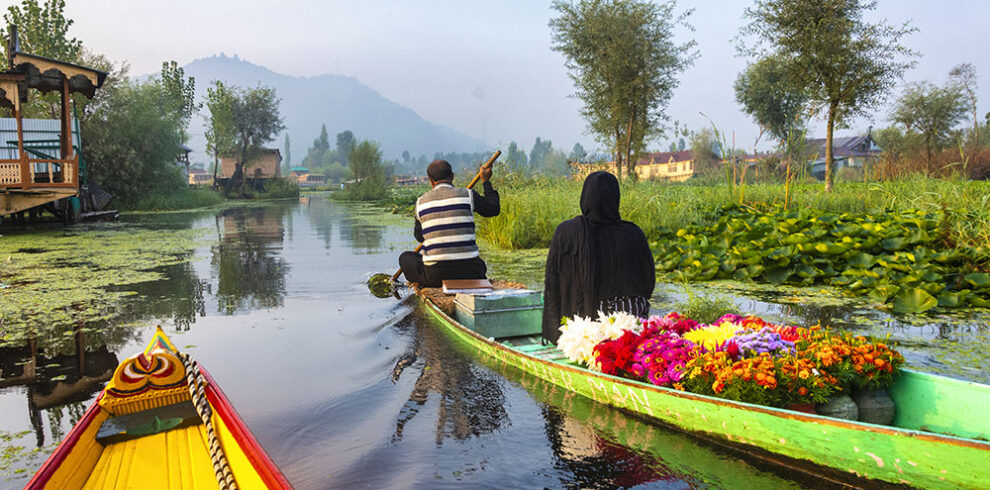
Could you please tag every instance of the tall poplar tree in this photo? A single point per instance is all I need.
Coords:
(845, 65)
(624, 61)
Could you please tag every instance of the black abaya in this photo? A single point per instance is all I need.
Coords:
(595, 258)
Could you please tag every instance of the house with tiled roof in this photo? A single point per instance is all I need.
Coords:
(674, 166)
(850, 151)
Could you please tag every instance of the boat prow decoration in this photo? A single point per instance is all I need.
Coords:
(149, 429)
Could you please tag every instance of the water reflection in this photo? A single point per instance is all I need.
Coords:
(250, 270)
(471, 402)
(321, 217)
(181, 297)
(362, 231)
(59, 384)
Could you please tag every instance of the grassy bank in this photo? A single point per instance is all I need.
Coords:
(205, 197)
(532, 208)
(187, 198)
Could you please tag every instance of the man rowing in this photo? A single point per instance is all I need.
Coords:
(445, 226)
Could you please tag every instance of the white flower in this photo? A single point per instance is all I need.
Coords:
(579, 335)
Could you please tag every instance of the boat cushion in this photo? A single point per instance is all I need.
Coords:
(152, 421)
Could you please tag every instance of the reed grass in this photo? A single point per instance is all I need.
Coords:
(184, 198)
(532, 208)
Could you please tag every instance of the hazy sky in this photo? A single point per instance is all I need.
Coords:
(483, 68)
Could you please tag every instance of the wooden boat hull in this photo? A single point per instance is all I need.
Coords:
(889, 454)
(174, 459)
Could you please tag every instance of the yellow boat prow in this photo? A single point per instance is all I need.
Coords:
(156, 455)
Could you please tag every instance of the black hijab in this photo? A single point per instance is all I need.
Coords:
(600, 198)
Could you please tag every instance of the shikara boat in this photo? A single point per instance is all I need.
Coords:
(939, 437)
(161, 423)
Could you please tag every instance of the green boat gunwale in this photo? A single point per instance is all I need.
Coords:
(962, 442)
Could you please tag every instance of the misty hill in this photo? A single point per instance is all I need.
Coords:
(338, 101)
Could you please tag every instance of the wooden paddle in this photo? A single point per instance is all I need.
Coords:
(488, 164)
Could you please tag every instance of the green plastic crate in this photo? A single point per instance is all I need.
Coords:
(504, 313)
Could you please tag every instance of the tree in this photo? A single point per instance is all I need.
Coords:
(843, 64)
(555, 163)
(249, 118)
(766, 94)
(369, 173)
(515, 158)
(624, 62)
(178, 95)
(541, 148)
(964, 76)
(131, 145)
(345, 144)
(322, 144)
(578, 153)
(932, 111)
(288, 151)
(704, 151)
(220, 133)
(405, 156)
(43, 30)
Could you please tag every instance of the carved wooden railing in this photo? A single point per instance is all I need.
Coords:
(39, 173)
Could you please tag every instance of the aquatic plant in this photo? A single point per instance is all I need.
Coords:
(705, 308)
(894, 258)
(55, 283)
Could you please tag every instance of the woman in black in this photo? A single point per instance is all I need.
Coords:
(597, 261)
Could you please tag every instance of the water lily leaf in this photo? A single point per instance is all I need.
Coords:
(951, 300)
(977, 301)
(895, 243)
(808, 272)
(796, 239)
(828, 248)
(913, 300)
(777, 275)
(979, 280)
(862, 260)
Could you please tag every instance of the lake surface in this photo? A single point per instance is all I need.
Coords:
(345, 390)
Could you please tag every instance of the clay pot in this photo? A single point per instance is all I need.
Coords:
(875, 406)
(839, 406)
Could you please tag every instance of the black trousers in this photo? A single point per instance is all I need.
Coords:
(432, 276)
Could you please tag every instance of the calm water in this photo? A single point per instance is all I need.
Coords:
(345, 390)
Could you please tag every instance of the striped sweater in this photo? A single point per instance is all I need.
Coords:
(446, 214)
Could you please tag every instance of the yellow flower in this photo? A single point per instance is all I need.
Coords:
(712, 336)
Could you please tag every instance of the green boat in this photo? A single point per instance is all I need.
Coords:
(939, 437)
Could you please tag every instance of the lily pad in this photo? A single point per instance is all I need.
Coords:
(979, 280)
(914, 300)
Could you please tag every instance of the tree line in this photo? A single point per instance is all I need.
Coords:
(807, 59)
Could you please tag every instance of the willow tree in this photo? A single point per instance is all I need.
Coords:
(844, 64)
(624, 61)
(220, 127)
(765, 93)
(241, 121)
(933, 111)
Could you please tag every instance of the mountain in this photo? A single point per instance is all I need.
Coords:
(340, 102)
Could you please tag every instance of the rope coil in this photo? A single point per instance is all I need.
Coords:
(197, 390)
